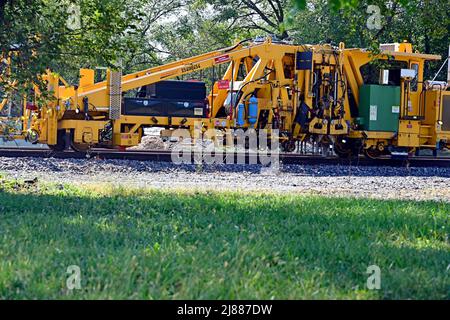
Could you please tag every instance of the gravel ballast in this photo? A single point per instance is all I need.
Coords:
(369, 182)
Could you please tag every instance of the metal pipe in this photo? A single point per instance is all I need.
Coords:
(448, 66)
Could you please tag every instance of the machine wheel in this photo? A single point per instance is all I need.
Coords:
(347, 148)
(60, 141)
(288, 146)
(78, 147)
(372, 153)
(342, 150)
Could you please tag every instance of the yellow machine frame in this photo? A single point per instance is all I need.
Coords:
(83, 112)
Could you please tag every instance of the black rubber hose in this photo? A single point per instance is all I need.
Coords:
(236, 45)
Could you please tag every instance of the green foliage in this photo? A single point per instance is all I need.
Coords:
(263, 16)
(138, 34)
(424, 23)
(37, 35)
(141, 244)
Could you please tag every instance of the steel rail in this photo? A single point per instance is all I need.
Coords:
(239, 158)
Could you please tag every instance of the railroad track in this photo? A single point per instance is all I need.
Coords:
(246, 158)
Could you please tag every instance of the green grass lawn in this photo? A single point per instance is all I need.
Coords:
(144, 244)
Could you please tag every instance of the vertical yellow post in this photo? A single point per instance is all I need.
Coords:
(52, 119)
(24, 114)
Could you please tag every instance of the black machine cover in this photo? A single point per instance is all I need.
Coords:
(169, 99)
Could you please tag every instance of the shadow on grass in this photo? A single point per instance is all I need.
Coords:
(176, 246)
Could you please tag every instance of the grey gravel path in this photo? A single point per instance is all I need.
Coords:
(370, 182)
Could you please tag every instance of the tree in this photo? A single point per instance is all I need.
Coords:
(137, 34)
(204, 25)
(268, 16)
(425, 23)
(40, 34)
(155, 15)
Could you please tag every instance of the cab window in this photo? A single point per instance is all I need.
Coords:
(415, 81)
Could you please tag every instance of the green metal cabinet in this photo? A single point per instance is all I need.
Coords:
(379, 108)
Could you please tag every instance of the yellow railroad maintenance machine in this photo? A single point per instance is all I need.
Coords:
(331, 95)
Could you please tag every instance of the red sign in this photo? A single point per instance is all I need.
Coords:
(223, 84)
(222, 59)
